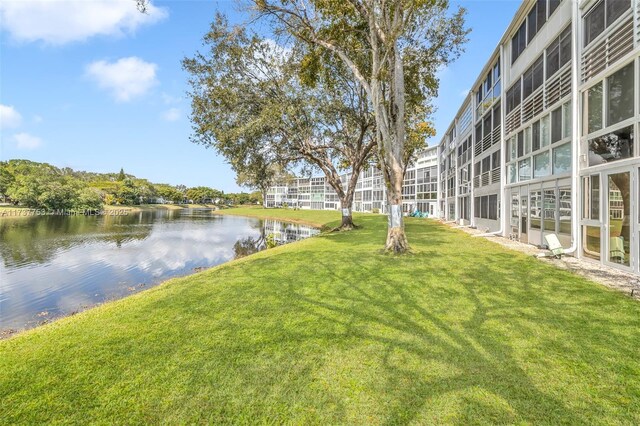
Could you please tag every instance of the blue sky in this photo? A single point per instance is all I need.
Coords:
(94, 85)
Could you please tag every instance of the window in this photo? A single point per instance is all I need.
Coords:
(541, 165)
(484, 208)
(513, 97)
(513, 173)
(601, 16)
(534, 21)
(519, 42)
(535, 209)
(533, 77)
(541, 13)
(476, 207)
(486, 164)
(487, 125)
(495, 160)
(562, 159)
(613, 146)
(594, 23)
(527, 140)
(532, 28)
(496, 116)
(566, 120)
(549, 212)
(493, 207)
(620, 99)
(594, 108)
(591, 186)
(513, 154)
(564, 211)
(559, 52)
(520, 144)
(535, 135)
(524, 169)
(545, 131)
(556, 125)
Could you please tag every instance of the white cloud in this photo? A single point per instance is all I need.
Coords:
(172, 114)
(126, 78)
(58, 22)
(27, 141)
(9, 117)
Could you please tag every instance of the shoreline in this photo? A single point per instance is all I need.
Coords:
(9, 333)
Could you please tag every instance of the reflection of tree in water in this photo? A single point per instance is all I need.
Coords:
(37, 239)
(249, 245)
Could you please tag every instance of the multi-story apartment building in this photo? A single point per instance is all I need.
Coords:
(544, 142)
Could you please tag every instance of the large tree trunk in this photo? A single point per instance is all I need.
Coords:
(396, 238)
(388, 106)
(347, 218)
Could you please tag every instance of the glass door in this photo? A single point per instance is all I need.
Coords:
(524, 219)
(618, 217)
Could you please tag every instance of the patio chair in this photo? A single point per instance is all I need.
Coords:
(554, 245)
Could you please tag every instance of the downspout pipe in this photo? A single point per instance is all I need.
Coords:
(576, 34)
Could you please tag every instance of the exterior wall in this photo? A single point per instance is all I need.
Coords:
(544, 143)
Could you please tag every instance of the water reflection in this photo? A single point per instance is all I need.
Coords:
(52, 266)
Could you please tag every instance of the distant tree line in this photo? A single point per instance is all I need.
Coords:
(41, 185)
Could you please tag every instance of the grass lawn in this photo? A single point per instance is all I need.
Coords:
(329, 330)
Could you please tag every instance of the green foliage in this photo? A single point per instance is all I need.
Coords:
(41, 185)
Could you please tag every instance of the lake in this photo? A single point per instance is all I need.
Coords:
(52, 266)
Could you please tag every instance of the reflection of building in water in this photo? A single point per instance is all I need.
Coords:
(544, 142)
(284, 233)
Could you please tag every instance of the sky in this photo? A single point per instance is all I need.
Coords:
(94, 85)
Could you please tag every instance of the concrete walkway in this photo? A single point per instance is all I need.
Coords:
(625, 282)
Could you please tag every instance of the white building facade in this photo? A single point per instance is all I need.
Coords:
(544, 142)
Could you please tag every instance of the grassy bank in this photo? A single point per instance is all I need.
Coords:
(329, 330)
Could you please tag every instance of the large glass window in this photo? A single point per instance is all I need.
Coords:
(520, 144)
(566, 120)
(601, 16)
(524, 169)
(594, 23)
(541, 165)
(559, 52)
(545, 131)
(535, 136)
(536, 209)
(493, 207)
(619, 207)
(556, 125)
(621, 95)
(594, 108)
(562, 159)
(549, 213)
(591, 197)
(519, 42)
(613, 146)
(513, 173)
(564, 211)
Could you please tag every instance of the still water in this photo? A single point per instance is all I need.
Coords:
(52, 266)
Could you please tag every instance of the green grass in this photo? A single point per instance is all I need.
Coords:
(331, 331)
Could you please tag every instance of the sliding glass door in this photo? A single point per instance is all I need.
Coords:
(618, 208)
